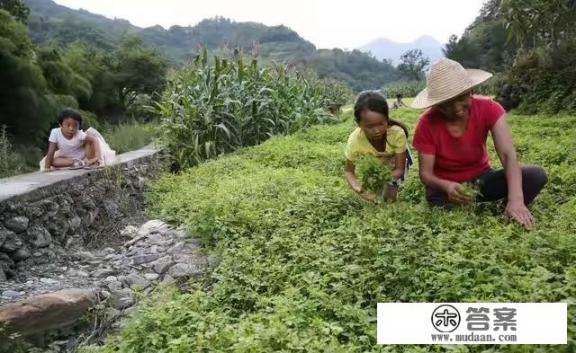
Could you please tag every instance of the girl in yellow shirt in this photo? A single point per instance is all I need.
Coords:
(380, 136)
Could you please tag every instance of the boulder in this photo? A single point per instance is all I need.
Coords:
(48, 311)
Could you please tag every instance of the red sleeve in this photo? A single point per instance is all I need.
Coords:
(423, 141)
(492, 111)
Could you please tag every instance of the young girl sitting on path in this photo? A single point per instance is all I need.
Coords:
(72, 148)
(380, 136)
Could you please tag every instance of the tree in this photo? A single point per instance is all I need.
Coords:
(139, 69)
(16, 8)
(61, 78)
(537, 23)
(413, 64)
(25, 106)
(99, 68)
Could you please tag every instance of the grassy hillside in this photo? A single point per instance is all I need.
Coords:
(304, 261)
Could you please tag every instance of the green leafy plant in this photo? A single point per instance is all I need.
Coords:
(374, 174)
(303, 262)
(472, 190)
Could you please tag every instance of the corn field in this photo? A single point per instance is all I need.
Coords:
(403, 88)
(216, 106)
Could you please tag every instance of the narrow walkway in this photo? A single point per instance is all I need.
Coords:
(25, 183)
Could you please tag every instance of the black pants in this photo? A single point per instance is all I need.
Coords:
(493, 186)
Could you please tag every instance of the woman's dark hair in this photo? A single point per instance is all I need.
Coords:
(374, 102)
(70, 113)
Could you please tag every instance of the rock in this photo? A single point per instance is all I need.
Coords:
(145, 258)
(134, 240)
(21, 254)
(46, 312)
(48, 281)
(180, 233)
(136, 281)
(3, 234)
(114, 286)
(111, 278)
(11, 295)
(156, 238)
(182, 258)
(162, 265)
(112, 209)
(122, 299)
(111, 314)
(139, 182)
(168, 280)
(153, 226)
(151, 276)
(103, 272)
(17, 224)
(84, 256)
(12, 243)
(75, 223)
(177, 247)
(155, 249)
(39, 236)
(3, 276)
(5, 258)
(78, 273)
(184, 270)
(73, 242)
(129, 232)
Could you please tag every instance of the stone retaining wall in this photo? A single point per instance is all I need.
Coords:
(43, 214)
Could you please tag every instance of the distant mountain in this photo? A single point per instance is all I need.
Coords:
(53, 23)
(383, 48)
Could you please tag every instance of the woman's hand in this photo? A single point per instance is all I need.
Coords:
(518, 211)
(456, 194)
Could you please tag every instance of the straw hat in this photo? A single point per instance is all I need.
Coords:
(447, 79)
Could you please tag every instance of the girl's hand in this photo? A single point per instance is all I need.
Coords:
(368, 196)
(391, 193)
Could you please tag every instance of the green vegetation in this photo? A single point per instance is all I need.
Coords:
(374, 174)
(303, 261)
(209, 109)
(37, 82)
(532, 45)
(413, 63)
(130, 136)
(404, 88)
(51, 23)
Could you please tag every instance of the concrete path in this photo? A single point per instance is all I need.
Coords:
(21, 184)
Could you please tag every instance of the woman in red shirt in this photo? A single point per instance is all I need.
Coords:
(451, 142)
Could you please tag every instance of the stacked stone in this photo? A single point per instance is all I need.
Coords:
(152, 254)
(37, 227)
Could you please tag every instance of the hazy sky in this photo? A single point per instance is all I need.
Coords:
(326, 23)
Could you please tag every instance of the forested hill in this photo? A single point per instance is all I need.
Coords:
(50, 22)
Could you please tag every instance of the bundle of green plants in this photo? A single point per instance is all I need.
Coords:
(374, 174)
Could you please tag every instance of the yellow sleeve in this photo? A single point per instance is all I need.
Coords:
(398, 140)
